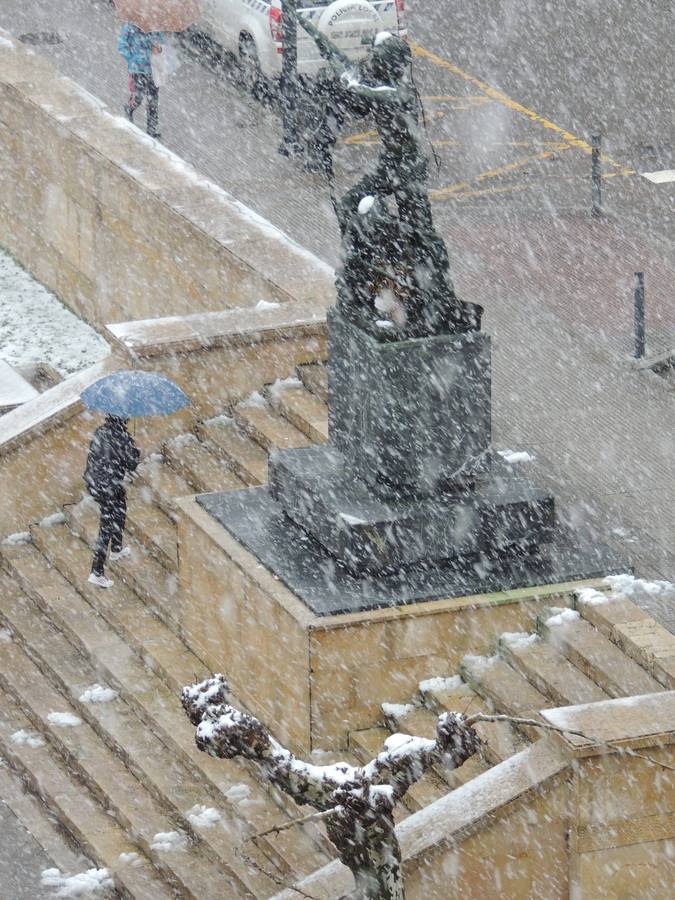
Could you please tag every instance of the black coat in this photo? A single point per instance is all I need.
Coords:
(112, 453)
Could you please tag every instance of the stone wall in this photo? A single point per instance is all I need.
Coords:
(118, 226)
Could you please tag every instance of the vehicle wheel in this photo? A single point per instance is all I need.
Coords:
(252, 79)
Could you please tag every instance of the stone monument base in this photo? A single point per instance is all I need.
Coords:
(314, 678)
(328, 588)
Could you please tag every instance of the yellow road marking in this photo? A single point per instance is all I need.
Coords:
(502, 98)
(494, 173)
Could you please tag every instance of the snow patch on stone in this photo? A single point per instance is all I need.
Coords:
(6, 42)
(57, 518)
(237, 793)
(352, 520)
(254, 399)
(19, 537)
(562, 617)
(201, 816)
(591, 597)
(479, 664)
(518, 638)
(130, 859)
(516, 456)
(266, 304)
(439, 685)
(167, 841)
(397, 710)
(30, 738)
(92, 883)
(5, 636)
(64, 719)
(284, 384)
(97, 693)
(637, 588)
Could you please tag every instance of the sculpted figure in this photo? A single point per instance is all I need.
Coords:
(400, 255)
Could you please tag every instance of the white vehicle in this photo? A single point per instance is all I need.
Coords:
(251, 30)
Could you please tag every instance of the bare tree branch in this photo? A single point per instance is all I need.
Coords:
(516, 720)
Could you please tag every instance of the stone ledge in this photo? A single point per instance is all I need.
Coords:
(50, 408)
(627, 722)
(232, 327)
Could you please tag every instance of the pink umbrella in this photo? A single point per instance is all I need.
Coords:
(159, 15)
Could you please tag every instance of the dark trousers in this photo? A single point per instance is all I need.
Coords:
(142, 87)
(113, 505)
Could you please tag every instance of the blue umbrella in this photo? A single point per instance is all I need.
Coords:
(134, 393)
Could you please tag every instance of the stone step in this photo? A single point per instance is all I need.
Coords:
(421, 722)
(266, 427)
(75, 809)
(595, 655)
(506, 691)
(140, 571)
(34, 816)
(194, 870)
(369, 742)
(549, 671)
(152, 528)
(244, 456)
(314, 376)
(115, 630)
(634, 631)
(127, 736)
(291, 399)
(198, 466)
(163, 484)
(500, 739)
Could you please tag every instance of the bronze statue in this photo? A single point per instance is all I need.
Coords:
(381, 251)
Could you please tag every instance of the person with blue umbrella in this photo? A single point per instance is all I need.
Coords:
(113, 453)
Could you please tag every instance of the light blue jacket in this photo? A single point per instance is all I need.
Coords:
(136, 47)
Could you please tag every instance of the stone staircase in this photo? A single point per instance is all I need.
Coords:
(575, 656)
(90, 721)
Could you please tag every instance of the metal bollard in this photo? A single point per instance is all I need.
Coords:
(596, 177)
(639, 314)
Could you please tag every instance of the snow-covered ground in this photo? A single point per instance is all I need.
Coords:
(36, 327)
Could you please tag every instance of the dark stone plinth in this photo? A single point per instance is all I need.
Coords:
(314, 486)
(327, 588)
(411, 417)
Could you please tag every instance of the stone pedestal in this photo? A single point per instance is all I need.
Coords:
(412, 417)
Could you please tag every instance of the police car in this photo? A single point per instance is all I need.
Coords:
(252, 30)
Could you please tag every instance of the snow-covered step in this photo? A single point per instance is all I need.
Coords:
(141, 571)
(506, 690)
(291, 399)
(634, 631)
(596, 656)
(122, 670)
(198, 466)
(314, 376)
(162, 483)
(174, 664)
(451, 694)
(369, 742)
(190, 865)
(77, 811)
(153, 529)
(244, 456)
(33, 815)
(272, 431)
(548, 671)
(128, 736)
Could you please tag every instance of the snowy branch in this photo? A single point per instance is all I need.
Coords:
(357, 802)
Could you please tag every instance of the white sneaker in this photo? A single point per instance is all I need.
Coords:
(120, 554)
(100, 581)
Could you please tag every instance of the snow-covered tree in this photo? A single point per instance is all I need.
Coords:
(358, 801)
